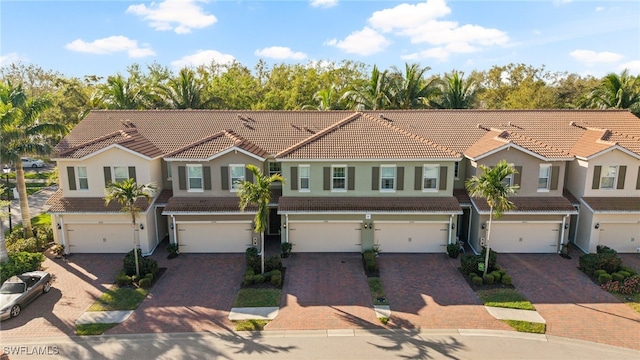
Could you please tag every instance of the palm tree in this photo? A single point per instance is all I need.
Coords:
(491, 186)
(456, 92)
(120, 93)
(3, 241)
(372, 95)
(410, 90)
(616, 92)
(126, 193)
(24, 133)
(186, 92)
(326, 99)
(258, 193)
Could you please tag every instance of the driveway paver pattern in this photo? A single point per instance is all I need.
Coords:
(570, 302)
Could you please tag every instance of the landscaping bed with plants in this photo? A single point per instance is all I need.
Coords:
(606, 269)
(371, 269)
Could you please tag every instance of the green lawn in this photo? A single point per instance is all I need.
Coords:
(118, 298)
(251, 297)
(250, 325)
(633, 300)
(526, 326)
(92, 329)
(505, 298)
(377, 291)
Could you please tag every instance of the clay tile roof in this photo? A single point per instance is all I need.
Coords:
(446, 205)
(591, 142)
(494, 139)
(361, 136)
(164, 197)
(566, 193)
(128, 138)
(462, 196)
(205, 205)
(60, 204)
(613, 204)
(211, 145)
(532, 204)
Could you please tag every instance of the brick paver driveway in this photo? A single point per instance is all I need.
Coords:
(427, 291)
(78, 281)
(325, 291)
(195, 293)
(570, 302)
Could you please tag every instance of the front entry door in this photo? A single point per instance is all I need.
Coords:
(274, 222)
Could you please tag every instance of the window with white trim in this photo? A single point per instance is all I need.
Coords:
(236, 172)
(194, 175)
(338, 177)
(430, 177)
(387, 177)
(304, 177)
(120, 174)
(456, 170)
(608, 177)
(275, 168)
(169, 171)
(83, 180)
(508, 180)
(544, 177)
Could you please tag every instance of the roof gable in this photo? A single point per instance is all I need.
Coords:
(129, 140)
(217, 145)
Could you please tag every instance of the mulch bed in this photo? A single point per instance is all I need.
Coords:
(266, 284)
(476, 288)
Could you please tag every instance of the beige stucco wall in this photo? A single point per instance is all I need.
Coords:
(576, 177)
(463, 168)
(530, 171)
(210, 218)
(146, 171)
(363, 181)
(235, 158)
(614, 157)
(588, 236)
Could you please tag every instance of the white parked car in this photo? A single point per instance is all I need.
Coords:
(32, 163)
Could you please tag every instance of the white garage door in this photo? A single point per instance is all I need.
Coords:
(214, 237)
(411, 237)
(99, 238)
(525, 237)
(623, 238)
(325, 237)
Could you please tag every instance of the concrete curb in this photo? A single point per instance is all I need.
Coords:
(104, 317)
(382, 311)
(515, 314)
(254, 313)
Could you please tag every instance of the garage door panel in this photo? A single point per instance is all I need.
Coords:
(325, 237)
(411, 237)
(214, 238)
(525, 237)
(99, 238)
(623, 238)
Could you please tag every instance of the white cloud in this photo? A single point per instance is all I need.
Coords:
(280, 52)
(202, 57)
(364, 42)
(590, 57)
(323, 3)
(180, 16)
(599, 8)
(409, 16)
(111, 45)
(537, 32)
(11, 58)
(441, 53)
(633, 66)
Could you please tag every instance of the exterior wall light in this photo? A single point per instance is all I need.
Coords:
(597, 226)
(59, 226)
(141, 226)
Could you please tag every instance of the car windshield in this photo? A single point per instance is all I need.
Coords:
(12, 288)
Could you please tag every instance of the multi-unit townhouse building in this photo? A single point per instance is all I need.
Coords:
(353, 180)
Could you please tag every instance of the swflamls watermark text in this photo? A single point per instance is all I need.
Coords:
(36, 350)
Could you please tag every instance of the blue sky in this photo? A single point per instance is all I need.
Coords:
(102, 38)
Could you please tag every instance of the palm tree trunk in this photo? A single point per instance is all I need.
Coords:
(3, 244)
(486, 256)
(24, 204)
(262, 253)
(136, 235)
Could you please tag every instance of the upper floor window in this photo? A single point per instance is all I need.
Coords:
(456, 169)
(169, 172)
(275, 168)
(387, 177)
(304, 177)
(339, 177)
(83, 180)
(194, 175)
(608, 177)
(236, 172)
(120, 173)
(544, 177)
(430, 177)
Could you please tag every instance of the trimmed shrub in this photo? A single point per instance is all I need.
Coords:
(598, 273)
(147, 264)
(149, 276)
(469, 263)
(250, 272)
(602, 249)
(453, 250)
(258, 279)
(497, 276)
(273, 263)
(145, 283)
(477, 280)
(472, 275)
(276, 279)
(20, 262)
(616, 276)
(606, 261)
(488, 279)
(286, 248)
(253, 260)
(502, 272)
(493, 257)
(172, 248)
(248, 279)
(123, 279)
(603, 278)
(624, 273)
(629, 269)
(506, 280)
(370, 261)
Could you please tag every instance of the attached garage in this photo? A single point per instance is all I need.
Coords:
(624, 238)
(412, 237)
(99, 238)
(210, 237)
(525, 237)
(330, 236)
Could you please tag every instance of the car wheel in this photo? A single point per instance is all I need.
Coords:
(34, 166)
(15, 311)
(47, 287)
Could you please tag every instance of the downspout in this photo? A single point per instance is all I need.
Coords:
(286, 228)
(575, 233)
(175, 230)
(449, 230)
(63, 230)
(469, 231)
(564, 221)
(155, 223)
